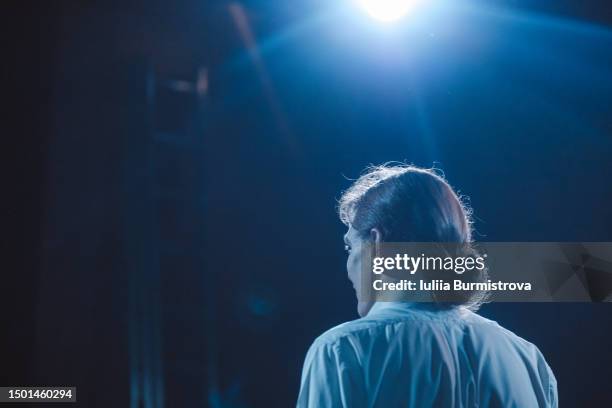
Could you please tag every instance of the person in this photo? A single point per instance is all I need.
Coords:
(413, 354)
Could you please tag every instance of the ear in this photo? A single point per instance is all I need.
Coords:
(375, 235)
(376, 239)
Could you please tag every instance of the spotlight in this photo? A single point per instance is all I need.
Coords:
(387, 10)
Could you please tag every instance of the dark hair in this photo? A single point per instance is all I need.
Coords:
(411, 204)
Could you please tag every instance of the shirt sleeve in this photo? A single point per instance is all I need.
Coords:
(552, 389)
(329, 378)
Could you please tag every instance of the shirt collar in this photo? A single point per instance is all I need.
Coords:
(399, 308)
(383, 307)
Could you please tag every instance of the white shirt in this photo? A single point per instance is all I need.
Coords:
(409, 355)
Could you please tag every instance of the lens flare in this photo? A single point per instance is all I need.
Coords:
(387, 10)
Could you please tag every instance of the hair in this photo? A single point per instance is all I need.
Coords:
(406, 203)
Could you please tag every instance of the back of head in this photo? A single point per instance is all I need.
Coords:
(410, 204)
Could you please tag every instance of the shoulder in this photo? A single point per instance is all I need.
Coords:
(490, 328)
(494, 337)
(345, 331)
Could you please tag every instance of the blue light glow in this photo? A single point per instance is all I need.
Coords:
(387, 10)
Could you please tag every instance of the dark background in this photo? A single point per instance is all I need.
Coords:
(164, 246)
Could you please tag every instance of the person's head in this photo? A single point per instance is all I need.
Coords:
(400, 203)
